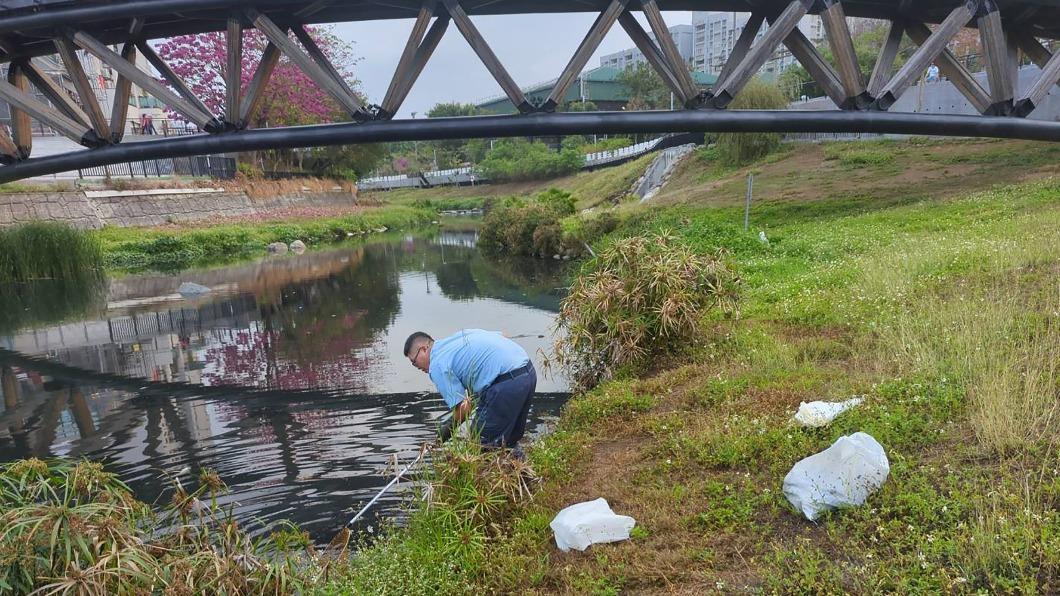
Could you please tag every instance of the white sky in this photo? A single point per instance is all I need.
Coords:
(534, 48)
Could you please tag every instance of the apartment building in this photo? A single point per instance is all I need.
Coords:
(682, 36)
(714, 35)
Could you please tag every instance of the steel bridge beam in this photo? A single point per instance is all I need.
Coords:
(320, 135)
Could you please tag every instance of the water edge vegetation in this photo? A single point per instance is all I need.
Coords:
(943, 312)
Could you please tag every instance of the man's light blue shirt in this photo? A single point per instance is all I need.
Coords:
(469, 360)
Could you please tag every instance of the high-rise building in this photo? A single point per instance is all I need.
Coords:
(714, 35)
(682, 36)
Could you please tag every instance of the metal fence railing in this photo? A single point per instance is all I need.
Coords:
(212, 166)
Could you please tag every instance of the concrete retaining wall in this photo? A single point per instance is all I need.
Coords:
(94, 209)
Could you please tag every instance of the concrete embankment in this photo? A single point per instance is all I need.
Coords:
(91, 210)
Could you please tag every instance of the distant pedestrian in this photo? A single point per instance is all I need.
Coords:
(932, 74)
(472, 366)
(147, 125)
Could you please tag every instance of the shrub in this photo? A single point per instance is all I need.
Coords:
(75, 528)
(641, 297)
(561, 202)
(518, 227)
(517, 159)
(741, 148)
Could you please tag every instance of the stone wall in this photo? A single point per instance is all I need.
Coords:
(94, 209)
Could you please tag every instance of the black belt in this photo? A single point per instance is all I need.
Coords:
(514, 373)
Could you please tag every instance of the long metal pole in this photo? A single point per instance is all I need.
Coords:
(747, 207)
(388, 486)
(567, 123)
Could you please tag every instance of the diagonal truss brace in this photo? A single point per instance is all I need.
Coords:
(72, 129)
(588, 45)
(148, 83)
(1050, 65)
(21, 130)
(486, 55)
(842, 43)
(820, 70)
(311, 61)
(742, 46)
(55, 94)
(669, 48)
(653, 55)
(952, 69)
(931, 47)
(418, 50)
(757, 55)
(270, 57)
(68, 55)
(884, 67)
(233, 69)
(1000, 64)
(419, 29)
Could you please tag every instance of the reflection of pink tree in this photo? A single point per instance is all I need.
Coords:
(256, 358)
(290, 98)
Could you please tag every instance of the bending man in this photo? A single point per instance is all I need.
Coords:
(485, 364)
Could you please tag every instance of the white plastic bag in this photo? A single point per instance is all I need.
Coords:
(820, 413)
(591, 522)
(843, 475)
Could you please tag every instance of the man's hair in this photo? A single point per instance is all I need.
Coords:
(415, 338)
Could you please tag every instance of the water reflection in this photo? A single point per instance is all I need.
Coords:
(287, 378)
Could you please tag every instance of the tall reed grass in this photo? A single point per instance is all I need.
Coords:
(48, 272)
(47, 250)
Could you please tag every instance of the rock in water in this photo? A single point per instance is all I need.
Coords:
(278, 248)
(190, 288)
(298, 246)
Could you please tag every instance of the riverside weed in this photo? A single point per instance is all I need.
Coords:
(642, 297)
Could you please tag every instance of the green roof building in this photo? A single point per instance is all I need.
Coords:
(599, 85)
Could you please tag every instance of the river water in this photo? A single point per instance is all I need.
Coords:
(287, 378)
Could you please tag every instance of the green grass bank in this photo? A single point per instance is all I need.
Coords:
(175, 247)
(922, 275)
(941, 308)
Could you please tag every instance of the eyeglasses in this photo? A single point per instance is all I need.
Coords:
(417, 355)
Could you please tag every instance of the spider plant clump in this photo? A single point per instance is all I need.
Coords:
(69, 528)
(642, 297)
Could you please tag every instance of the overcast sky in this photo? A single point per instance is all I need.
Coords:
(534, 48)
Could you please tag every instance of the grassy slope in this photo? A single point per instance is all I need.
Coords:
(943, 313)
(590, 188)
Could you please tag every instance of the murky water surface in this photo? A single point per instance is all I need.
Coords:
(287, 378)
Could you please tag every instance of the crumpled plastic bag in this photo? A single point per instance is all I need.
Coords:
(591, 522)
(821, 413)
(844, 475)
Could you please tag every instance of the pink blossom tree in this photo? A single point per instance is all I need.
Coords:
(290, 98)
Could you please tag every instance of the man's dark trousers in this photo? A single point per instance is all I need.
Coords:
(504, 406)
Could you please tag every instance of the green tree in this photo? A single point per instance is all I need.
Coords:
(581, 106)
(346, 161)
(742, 148)
(519, 159)
(453, 153)
(453, 109)
(646, 89)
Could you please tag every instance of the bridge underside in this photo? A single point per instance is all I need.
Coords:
(1009, 30)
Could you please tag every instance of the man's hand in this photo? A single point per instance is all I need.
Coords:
(462, 411)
